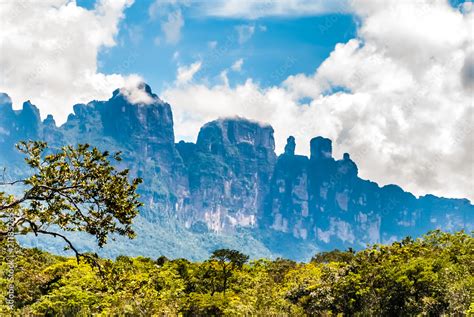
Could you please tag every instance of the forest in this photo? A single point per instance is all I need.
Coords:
(432, 275)
(78, 189)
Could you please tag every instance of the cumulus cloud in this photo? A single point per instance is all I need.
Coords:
(186, 73)
(397, 98)
(49, 52)
(468, 72)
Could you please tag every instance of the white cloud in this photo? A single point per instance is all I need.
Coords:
(237, 66)
(245, 32)
(172, 20)
(186, 73)
(160, 8)
(49, 52)
(133, 90)
(253, 9)
(172, 27)
(405, 115)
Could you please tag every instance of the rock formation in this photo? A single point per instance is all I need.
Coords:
(229, 171)
(231, 177)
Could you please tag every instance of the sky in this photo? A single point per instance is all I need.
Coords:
(390, 82)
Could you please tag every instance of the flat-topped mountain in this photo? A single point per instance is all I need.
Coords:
(230, 188)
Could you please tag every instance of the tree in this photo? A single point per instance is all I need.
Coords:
(70, 189)
(279, 268)
(430, 276)
(228, 261)
(334, 256)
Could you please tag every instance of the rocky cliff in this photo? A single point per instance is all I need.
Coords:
(231, 180)
(323, 199)
(229, 170)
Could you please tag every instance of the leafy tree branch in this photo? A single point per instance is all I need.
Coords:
(71, 189)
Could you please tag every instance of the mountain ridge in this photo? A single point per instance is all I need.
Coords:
(231, 179)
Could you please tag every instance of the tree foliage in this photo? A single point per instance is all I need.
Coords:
(226, 261)
(432, 275)
(70, 189)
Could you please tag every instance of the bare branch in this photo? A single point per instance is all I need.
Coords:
(3, 183)
(55, 234)
(92, 260)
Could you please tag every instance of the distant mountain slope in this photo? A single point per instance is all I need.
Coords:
(230, 188)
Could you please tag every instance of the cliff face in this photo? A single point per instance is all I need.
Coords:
(229, 170)
(322, 199)
(319, 198)
(16, 125)
(231, 178)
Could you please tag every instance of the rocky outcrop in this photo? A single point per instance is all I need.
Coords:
(288, 200)
(323, 200)
(17, 125)
(142, 132)
(229, 170)
(231, 177)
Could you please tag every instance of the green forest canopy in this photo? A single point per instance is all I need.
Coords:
(431, 275)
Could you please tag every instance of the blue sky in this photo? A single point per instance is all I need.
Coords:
(389, 81)
(278, 47)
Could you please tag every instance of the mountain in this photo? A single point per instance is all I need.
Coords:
(230, 189)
